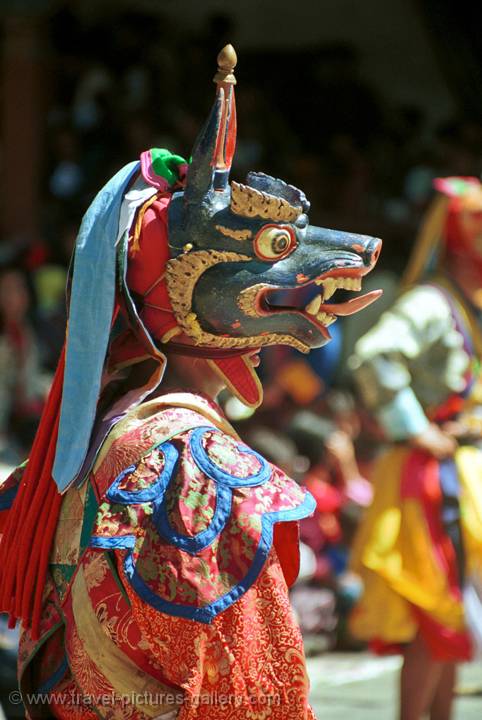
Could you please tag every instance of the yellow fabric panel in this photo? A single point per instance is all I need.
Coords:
(396, 560)
(469, 464)
(69, 527)
(119, 670)
(386, 498)
(381, 613)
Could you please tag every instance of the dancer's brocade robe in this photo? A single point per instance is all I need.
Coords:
(419, 547)
(167, 591)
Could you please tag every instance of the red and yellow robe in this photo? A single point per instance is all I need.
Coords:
(168, 582)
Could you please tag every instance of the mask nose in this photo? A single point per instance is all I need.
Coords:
(371, 252)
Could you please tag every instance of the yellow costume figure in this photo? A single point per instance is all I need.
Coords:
(419, 548)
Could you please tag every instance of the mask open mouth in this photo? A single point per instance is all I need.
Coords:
(310, 299)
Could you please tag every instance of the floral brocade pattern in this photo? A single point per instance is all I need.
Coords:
(248, 664)
(146, 472)
(189, 503)
(50, 619)
(140, 436)
(190, 498)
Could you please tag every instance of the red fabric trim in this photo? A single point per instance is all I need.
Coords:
(379, 647)
(286, 541)
(240, 376)
(31, 522)
(444, 644)
(420, 480)
(148, 264)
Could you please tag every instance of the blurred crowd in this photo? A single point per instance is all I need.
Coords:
(117, 89)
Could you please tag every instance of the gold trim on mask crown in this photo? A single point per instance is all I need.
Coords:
(248, 202)
(234, 234)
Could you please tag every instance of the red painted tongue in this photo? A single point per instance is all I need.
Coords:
(352, 306)
(242, 379)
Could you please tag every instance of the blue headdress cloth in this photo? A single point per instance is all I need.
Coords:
(90, 318)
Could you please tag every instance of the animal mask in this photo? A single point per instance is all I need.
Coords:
(234, 246)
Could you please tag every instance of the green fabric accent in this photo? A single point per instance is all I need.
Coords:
(90, 513)
(61, 575)
(165, 164)
(459, 186)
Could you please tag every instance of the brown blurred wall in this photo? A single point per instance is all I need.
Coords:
(21, 119)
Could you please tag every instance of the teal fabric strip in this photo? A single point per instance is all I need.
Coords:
(90, 318)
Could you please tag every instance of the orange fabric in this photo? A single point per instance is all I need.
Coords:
(249, 659)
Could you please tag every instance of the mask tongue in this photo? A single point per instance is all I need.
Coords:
(241, 378)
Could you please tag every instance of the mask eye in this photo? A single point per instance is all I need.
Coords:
(274, 242)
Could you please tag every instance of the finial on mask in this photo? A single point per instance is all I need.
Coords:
(225, 80)
(213, 151)
(227, 61)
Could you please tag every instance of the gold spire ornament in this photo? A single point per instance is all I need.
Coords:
(227, 61)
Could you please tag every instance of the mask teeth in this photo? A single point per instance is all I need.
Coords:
(313, 306)
(330, 285)
(326, 318)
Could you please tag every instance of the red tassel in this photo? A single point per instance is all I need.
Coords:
(33, 528)
(32, 520)
(29, 531)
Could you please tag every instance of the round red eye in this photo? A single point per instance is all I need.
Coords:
(274, 242)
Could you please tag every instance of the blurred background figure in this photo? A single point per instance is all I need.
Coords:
(22, 385)
(419, 547)
(361, 105)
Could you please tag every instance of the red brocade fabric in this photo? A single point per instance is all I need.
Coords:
(248, 664)
(420, 481)
(122, 655)
(194, 504)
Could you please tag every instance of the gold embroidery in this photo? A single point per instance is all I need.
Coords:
(152, 407)
(125, 676)
(248, 202)
(95, 571)
(134, 239)
(173, 332)
(234, 234)
(69, 527)
(247, 300)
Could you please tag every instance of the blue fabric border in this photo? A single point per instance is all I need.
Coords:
(153, 493)
(121, 542)
(195, 543)
(55, 678)
(209, 468)
(208, 613)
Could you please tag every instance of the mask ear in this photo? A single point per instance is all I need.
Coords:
(200, 173)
